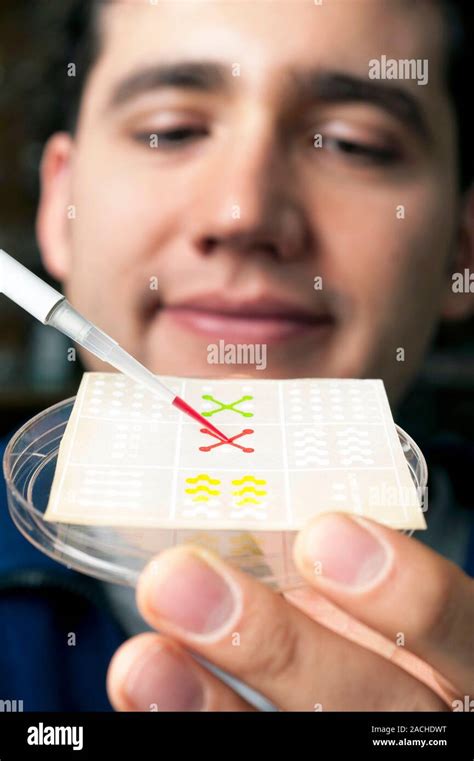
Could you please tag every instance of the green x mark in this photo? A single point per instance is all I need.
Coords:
(223, 406)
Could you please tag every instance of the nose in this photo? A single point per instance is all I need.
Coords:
(250, 204)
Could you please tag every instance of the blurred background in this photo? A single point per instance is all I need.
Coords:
(34, 368)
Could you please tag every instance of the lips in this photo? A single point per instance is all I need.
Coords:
(265, 320)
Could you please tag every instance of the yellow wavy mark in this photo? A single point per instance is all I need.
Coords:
(244, 479)
(203, 477)
(252, 489)
(202, 488)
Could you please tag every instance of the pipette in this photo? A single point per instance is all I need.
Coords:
(51, 308)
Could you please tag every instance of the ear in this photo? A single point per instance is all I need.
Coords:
(52, 221)
(458, 300)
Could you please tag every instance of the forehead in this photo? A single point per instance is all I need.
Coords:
(267, 37)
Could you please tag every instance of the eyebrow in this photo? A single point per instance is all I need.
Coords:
(200, 76)
(335, 87)
(313, 85)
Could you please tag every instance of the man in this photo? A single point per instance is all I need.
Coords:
(241, 156)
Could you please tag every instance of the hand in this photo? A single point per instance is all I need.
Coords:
(389, 582)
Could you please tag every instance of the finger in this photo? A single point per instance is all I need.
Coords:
(151, 673)
(395, 585)
(324, 611)
(247, 630)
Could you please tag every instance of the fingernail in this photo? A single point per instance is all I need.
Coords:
(159, 681)
(191, 593)
(343, 550)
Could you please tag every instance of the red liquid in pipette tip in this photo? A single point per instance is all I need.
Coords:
(188, 410)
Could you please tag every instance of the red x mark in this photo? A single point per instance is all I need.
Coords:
(229, 440)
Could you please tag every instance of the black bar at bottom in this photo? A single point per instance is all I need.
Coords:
(147, 735)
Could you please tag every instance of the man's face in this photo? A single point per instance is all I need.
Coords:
(237, 222)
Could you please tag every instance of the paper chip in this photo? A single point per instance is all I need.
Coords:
(296, 448)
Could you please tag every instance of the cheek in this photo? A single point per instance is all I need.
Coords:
(381, 246)
(125, 212)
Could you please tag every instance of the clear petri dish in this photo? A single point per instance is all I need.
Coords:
(118, 555)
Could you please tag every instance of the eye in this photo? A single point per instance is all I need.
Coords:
(172, 138)
(362, 152)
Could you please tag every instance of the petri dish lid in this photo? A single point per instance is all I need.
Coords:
(118, 555)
